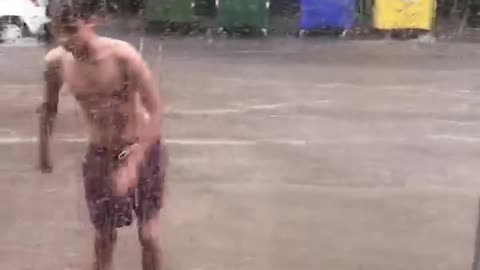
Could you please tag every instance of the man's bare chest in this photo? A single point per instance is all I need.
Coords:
(101, 77)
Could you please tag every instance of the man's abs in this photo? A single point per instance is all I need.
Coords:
(112, 125)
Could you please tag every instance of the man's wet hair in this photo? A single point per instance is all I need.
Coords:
(79, 9)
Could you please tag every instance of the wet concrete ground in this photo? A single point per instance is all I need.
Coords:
(284, 154)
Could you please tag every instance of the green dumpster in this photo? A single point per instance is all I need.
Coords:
(172, 11)
(205, 8)
(234, 14)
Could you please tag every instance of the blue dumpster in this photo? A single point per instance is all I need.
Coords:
(327, 14)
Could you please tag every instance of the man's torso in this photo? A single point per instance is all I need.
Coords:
(109, 105)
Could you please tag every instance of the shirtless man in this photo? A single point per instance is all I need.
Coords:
(124, 166)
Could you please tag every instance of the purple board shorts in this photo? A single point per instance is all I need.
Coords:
(108, 211)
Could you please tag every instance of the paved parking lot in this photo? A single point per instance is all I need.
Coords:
(284, 154)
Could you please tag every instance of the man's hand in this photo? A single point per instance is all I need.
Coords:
(44, 158)
(124, 179)
(126, 176)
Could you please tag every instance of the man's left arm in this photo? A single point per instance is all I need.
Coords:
(141, 80)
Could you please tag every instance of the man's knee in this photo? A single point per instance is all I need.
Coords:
(106, 237)
(148, 238)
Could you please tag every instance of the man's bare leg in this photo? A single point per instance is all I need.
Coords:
(149, 236)
(104, 244)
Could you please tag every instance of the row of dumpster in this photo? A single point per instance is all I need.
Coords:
(314, 14)
(228, 14)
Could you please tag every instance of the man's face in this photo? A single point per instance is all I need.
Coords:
(73, 36)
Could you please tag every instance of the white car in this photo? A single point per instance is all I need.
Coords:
(19, 18)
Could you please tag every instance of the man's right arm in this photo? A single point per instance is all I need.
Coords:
(48, 110)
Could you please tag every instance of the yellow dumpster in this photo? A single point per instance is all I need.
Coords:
(404, 14)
